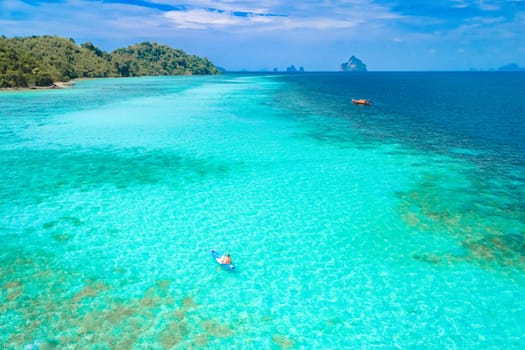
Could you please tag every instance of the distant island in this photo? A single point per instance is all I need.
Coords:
(354, 64)
(512, 67)
(38, 61)
(292, 69)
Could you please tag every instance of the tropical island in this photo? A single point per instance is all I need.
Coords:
(292, 69)
(354, 64)
(42, 61)
(511, 67)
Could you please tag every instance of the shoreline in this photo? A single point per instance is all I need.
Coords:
(55, 85)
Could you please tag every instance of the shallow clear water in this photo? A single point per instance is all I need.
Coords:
(400, 225)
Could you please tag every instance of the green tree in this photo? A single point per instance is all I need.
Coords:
(42, 60)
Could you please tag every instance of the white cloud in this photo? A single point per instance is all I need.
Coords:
(485, 20)
(485, 6)
(225, 5)
(316, 23)
(459, 4)
(201, 19)
(199, 15)
(13, 5)
(275, 16)
(205, 19)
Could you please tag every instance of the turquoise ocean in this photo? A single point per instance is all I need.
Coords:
(400, 225)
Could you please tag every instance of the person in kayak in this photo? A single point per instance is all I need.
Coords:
(225, 259)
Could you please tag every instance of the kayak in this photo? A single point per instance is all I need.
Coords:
(217, 257)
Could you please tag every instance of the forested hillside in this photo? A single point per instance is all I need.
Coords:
(155, 59)
(42, 60)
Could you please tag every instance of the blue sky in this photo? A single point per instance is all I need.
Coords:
(318, 35)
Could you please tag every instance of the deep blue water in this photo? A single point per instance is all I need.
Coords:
(435, 109)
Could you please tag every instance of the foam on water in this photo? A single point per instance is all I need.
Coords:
(109, 209)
